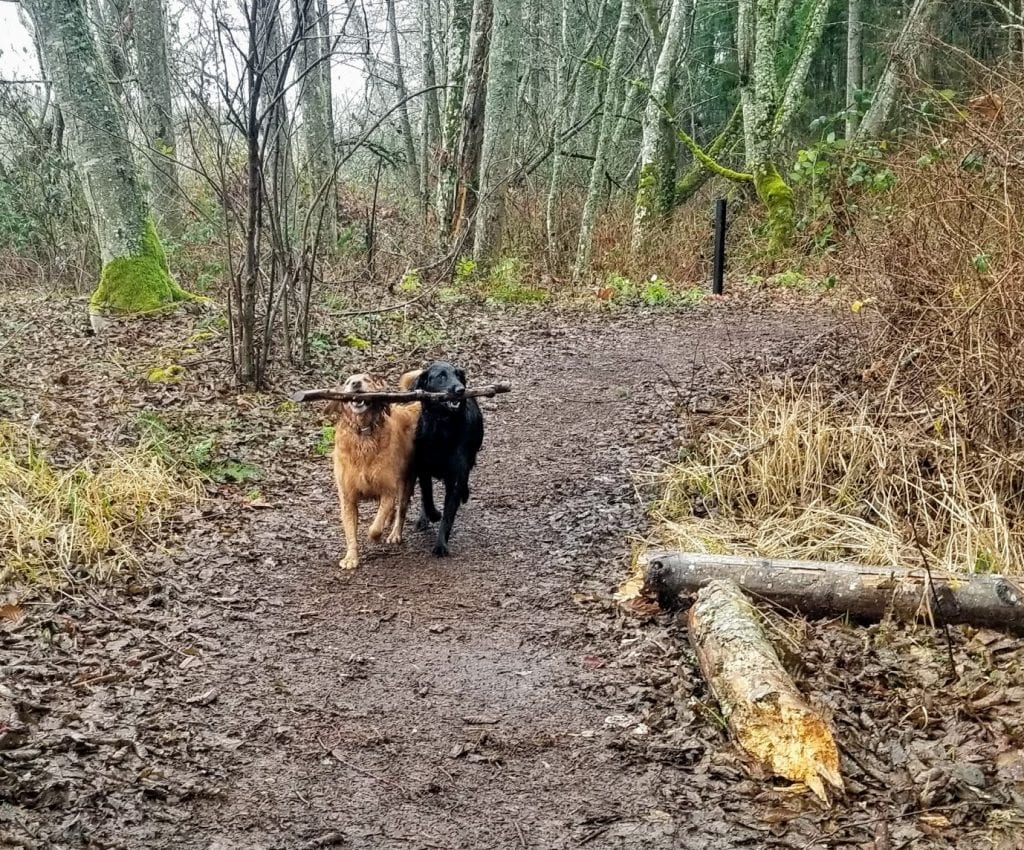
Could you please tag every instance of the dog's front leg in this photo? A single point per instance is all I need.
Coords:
(401, 510)
(452, 499)
(350, 522)
(385, 515)
(429, 513)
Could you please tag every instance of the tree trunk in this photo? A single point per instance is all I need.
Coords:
(838, 589)
(654, 170)
(157, 117)
(586, 237)
(279, 178)
(134, 277)
(429, 119)
(766, 714)
(757, 49)
(499, 130)
(854, 64)
(901, 59)
(471, 122)
(796, 80)
(402, 94)
(312, 68)
(448, 157)
(563, 114)
(110, 21)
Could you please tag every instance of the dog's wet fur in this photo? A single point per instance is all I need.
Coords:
(373, 450)
(448, 437)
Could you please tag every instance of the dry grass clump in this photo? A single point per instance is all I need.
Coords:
(802, 476)
(81, 522)
(931, 454)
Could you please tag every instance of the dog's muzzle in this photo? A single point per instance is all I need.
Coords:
(358, 406)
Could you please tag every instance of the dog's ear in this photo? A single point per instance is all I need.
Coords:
(461, 375)
(421, 380)
(408, 380)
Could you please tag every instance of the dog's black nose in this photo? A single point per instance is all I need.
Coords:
(458, 390)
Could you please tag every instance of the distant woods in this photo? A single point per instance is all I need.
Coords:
(283, 132)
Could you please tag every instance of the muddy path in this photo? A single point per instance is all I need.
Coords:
(419, 702)
(245, 693)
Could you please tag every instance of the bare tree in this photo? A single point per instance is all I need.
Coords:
(448, 164)
(312, 68)
(150, 37)
(901, 59)
(402, 96)
(597, 171)
(496, 158)
(655, 169)
(854, 64)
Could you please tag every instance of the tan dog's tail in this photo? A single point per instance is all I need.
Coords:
(408, 380)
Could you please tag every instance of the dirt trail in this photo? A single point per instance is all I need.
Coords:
(419, 702)
(242, 693)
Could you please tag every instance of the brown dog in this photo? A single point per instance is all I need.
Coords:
(373, 445)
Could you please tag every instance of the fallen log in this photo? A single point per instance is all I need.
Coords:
(329, 394)
(819, 589)
(766, 714)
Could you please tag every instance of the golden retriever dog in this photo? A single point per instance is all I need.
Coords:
(373, 445)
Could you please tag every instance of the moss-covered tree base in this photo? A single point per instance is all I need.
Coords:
(140, 283)
(777, 198)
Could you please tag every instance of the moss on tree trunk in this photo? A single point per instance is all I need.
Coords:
(777, 198)
(139, 282)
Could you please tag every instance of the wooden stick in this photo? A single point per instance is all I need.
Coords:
(829, 589)
(767, 715)
(329, 394)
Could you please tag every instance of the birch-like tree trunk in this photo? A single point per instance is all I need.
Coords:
(279, 178)
(854, 63)
(499, 129)
(429, 119)
(471, 120)
(134, 277)
(586, 238)
(402, 93)
(767, 111)
(559, 121)
(157, 117)
(654, 170)
(901, 60)
(312, 68)
(448, 159)
(793, 92)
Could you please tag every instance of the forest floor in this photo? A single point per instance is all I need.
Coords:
(242, 692)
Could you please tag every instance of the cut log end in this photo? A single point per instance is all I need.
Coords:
(763, 709)
(791, 741)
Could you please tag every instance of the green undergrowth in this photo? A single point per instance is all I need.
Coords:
(201, 453)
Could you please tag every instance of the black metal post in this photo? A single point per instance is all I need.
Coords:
(718, 280)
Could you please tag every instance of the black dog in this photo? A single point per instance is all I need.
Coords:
(448, 436)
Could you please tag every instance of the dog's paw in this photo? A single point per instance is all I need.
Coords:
(375, 533)
(395, 537)
(423, 523)
(441, 550)
(349, 562)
